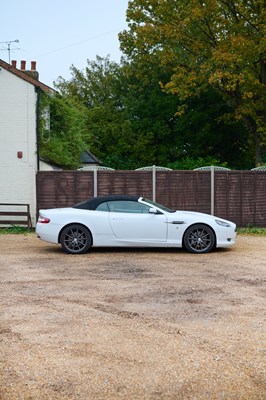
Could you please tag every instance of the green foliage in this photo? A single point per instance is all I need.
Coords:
(217, 44)
(209, 54)
(98, 89)
(111, 136)
(151, 115)
(98, 85)
(129, 122)
(188, 163)
(252, 230)
(202, 132)
(14, 229)
(62, 127)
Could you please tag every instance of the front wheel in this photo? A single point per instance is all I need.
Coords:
(199, 238)
(75, 239)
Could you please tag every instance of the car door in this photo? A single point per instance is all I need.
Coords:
(132, 221)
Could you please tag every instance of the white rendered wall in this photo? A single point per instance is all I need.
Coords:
(17, 134)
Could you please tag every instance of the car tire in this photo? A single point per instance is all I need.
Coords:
(75, 239)
(199, 238)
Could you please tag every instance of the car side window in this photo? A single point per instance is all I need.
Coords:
(126, 206)
(102, 207)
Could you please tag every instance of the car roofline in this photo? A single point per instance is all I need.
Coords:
(94, 202)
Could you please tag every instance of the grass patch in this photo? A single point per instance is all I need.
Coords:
(14, 229)
(252, 230)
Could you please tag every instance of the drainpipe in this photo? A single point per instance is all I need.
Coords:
(38, 91)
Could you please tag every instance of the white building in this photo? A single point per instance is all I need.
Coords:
(19, 158)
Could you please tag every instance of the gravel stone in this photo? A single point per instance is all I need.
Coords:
(132, 323)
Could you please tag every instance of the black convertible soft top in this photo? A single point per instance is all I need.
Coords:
(93, 203)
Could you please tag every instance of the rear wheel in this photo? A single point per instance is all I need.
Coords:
(75, 239)
(199, 238)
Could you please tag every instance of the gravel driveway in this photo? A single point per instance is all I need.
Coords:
(132, 324)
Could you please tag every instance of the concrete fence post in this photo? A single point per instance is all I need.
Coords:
(95, 183)
(212, 190)
(153, 183)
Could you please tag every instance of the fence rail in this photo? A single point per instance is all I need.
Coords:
(239, 196)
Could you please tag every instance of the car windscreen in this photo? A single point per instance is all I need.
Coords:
(154, 204)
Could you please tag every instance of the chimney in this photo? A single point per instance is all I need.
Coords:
(32, 72)
(14, 63)
(33, 65)
(23, 65)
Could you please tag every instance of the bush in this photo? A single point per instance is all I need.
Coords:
(189, 163)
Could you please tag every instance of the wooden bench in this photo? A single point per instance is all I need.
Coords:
(24, 221)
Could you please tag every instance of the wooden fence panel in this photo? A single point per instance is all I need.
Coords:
(239, 196)
(221, 196)
(260, 201)
(65, 186)
(234, 197)
(189, 190)
(83, 186)
(248, 198)
(125, 182)
(46, 190)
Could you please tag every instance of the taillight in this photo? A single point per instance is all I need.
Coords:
(43, 220)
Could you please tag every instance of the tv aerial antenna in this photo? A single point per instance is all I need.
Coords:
(8, 44)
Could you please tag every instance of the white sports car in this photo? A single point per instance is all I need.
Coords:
(126, 221)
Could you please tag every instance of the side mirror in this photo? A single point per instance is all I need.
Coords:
(153, 210)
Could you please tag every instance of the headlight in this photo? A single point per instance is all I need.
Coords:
(222, 223)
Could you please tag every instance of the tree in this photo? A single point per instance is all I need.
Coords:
(99, 88)
(151, 114)
(62, 127)
(198, 133)
(97, 85)
(129, 122)
(217, 43)
(202, 132)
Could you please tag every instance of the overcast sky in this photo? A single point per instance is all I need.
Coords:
(59, 33)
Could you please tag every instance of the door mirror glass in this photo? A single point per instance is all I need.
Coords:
(153, 210)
